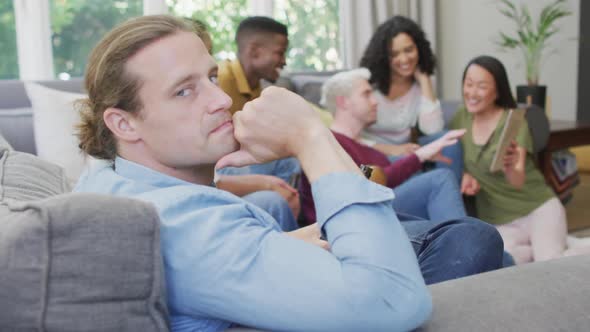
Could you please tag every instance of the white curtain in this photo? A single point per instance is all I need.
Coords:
(260, 7)
(154, 7)
(33, 39)
(359, 19)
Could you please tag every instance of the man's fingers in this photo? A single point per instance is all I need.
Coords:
(444, 159)
(235, 159)
(457, 133)
(323, 244)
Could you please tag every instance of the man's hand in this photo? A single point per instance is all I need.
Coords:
(310, 234)
(432, 151)
(279, 124)
(469, 185)
(289, 193)
(242, 185)
(397, 149)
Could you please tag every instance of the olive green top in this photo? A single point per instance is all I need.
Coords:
(498, 202)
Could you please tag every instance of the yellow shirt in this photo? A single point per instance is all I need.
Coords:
(232, 80)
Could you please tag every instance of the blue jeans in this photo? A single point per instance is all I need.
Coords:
(433, 195)
(453, 152)
(282, 168)
(446, 249)
(453, 249)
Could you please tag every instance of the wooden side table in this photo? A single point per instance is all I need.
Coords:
(563, 135)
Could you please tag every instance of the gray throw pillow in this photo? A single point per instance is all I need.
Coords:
(81, 262)
(25, 177)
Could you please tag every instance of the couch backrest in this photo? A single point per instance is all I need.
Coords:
(74, 261)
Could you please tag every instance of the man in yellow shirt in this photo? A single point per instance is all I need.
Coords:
(262, 43)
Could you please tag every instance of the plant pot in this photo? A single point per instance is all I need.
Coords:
(536, 93)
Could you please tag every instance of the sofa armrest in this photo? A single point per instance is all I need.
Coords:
(543, 296)
(81, 262)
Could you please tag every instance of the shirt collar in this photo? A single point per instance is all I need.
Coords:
(242, 82)
(140, 173)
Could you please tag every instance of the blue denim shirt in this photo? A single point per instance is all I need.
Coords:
(227, 261)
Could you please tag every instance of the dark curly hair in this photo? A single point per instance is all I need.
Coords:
(377, 53)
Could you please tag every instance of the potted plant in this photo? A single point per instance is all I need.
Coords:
(532, 40)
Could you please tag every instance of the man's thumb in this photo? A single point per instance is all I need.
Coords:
(235, 159)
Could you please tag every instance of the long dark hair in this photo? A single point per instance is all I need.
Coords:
(496, 68)
(377, 53)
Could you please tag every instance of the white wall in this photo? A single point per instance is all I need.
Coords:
(467, 28)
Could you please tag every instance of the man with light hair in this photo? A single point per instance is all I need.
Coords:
(429, 205)
(156, 114)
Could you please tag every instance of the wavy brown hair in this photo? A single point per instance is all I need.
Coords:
(376, 56)
(110, 84)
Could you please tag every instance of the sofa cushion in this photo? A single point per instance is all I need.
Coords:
(54, 118)
(25, 177)
(81, 262)
(544, 296)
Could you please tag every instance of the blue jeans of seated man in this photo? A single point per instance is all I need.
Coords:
(282, 168)
(441, 201)
(273, 203)
(433, 195)
(453, 249)
(445, 249)
(453, 152)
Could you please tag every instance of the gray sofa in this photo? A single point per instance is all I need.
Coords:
(78, 262)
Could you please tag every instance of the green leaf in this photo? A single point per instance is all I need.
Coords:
(531, 38)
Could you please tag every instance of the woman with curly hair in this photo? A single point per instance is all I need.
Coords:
(401, 62)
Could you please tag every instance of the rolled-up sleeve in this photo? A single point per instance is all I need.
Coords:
(224, 262)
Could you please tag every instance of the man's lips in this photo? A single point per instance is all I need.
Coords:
(227, 124)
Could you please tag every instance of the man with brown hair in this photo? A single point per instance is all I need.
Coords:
(155, 112)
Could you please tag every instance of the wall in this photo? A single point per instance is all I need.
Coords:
(467, 28)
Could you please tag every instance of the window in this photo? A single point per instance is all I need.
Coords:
(221, 17)
(77, 25)
(313, 33)
(8, 51)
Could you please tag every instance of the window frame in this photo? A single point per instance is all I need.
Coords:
(33, 33)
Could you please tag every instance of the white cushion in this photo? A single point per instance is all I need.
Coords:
(54, 118)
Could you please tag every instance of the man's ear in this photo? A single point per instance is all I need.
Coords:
(341, 102)
(121, 124)
(253, 50)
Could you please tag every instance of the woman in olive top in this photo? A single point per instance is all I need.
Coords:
(527, 214)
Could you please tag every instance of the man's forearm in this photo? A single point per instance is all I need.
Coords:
(322, 154)
(242, 185)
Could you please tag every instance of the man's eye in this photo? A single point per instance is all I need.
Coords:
(183, 92)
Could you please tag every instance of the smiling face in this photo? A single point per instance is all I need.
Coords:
(479, 89)
(184, 122)
(404, 56)
(269, 56)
